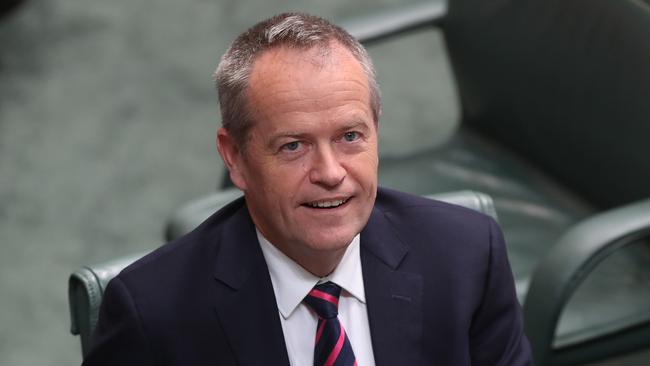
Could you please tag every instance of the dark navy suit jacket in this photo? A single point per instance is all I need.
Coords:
(438, 285)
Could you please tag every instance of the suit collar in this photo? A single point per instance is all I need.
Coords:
(380, 239)
(244, 299)
(247, 310)
(239, 252)
(394, 296)
(291, 282)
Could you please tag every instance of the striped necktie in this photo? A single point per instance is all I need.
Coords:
(332, 343)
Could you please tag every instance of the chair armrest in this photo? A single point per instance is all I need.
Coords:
(393, 22)
(570, 261)
(85, 290)
(474, 200)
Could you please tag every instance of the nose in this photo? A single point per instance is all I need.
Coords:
(326, 168)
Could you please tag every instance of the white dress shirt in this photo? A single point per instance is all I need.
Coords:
(291, 283)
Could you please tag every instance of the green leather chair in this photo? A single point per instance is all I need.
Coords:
(555, 123)
(86, 285)
(555, 126)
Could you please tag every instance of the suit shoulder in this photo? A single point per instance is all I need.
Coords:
(394, 203)
(187, 252)
(430, 225)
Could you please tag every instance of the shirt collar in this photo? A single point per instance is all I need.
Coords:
(291, 282)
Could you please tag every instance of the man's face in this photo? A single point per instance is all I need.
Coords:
(309, 169)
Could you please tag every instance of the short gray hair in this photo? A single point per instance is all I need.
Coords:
(295, 30)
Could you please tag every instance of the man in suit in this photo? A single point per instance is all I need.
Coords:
(315, 264)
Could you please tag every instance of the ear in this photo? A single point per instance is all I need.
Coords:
(231, 156)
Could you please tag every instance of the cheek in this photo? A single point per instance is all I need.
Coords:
(289, 175)
(281, 184)
(368, 168)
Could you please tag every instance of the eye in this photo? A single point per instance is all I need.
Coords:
(291, 146)
(351, 136)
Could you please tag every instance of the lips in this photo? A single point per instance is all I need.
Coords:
(327, 203)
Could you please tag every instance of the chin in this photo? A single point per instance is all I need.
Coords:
(332, 241)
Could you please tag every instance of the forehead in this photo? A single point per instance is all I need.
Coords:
(303, 67)
(285, 79)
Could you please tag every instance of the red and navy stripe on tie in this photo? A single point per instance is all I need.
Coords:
(332, 346)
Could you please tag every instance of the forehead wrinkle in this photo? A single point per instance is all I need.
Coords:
(273, 70)
(306, 95)
(308, 104)
(274, 65)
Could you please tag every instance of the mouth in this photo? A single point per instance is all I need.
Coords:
(327, 204)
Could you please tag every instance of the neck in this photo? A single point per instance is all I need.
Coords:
(318, 261)
(321, 264)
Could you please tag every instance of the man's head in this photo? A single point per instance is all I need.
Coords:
(303, 144)
(293, 30)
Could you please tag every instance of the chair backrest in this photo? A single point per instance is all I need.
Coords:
(86, 285)
(566, 84)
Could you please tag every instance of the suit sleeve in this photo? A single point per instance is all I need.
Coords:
(497, 335)
(119, 338)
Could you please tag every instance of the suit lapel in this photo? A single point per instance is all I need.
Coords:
(394, 297)
(245, 302)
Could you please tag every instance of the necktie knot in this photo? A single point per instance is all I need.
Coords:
(324, 299)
